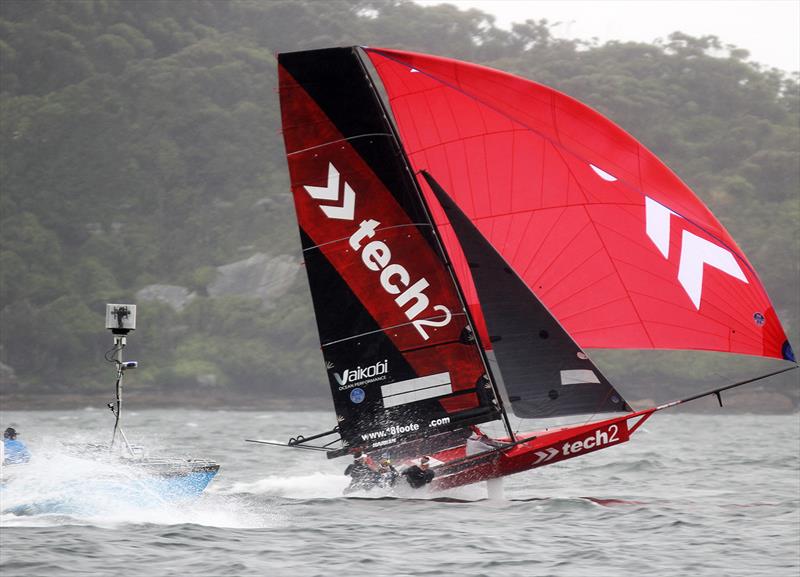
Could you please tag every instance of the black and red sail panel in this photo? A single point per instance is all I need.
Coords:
(391, 323)
(616, 247)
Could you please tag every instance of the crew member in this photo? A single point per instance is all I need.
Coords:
(15, 452)
(419, 475)
(479, 442)
(387, 474)
(361, 474)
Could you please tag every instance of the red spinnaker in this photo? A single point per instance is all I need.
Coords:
(621, 251)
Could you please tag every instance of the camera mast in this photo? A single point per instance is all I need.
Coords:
(120, 320)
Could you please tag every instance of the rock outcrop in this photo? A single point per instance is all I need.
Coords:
(260, 276)
(175, 296)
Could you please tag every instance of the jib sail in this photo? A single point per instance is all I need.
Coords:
(544, 372)
(394, 332)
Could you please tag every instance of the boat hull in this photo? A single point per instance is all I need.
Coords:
(138, 483)
(177, 479)
(533, 450)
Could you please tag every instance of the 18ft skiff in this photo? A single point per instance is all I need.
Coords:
(467, 233)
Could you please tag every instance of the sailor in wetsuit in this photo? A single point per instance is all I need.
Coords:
(419, 475)
(362, 476)
(14, 451)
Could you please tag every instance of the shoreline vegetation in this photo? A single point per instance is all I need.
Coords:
(142, 162)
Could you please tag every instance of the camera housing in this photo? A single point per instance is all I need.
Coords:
(120, 318)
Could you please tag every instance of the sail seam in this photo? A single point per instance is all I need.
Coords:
(553, 226)
(383, 228)
(552, 207)
(554, 262)
(543, 242)
(385, 329)
(586, 288)
(650, 273)
(573, 270)
(693, 330)
(346, 139)
(605, 248)
(598, 306)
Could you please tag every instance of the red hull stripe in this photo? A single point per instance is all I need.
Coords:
(544, 448)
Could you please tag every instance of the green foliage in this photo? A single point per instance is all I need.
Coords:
(139, 144)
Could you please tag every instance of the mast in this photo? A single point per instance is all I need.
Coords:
(439, 245)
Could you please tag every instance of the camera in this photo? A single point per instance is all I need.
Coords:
(120, 318)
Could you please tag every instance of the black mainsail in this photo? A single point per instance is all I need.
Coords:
(398, 344)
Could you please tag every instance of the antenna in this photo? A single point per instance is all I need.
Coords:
(120, 320)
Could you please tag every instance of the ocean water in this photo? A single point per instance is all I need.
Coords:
(689, 495)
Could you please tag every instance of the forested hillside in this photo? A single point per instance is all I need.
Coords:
(141, 161)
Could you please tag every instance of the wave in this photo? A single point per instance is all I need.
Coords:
(67, 486)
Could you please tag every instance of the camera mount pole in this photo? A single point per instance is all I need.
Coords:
(116, 407)
(120, 320)
(119, 344)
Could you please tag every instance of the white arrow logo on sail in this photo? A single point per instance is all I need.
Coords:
(544, 456)
(695, 251)
(331, 192)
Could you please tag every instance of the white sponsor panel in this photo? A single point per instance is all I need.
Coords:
(418, 389)
(578, 376)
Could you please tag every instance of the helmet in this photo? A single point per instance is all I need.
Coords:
(10, 433)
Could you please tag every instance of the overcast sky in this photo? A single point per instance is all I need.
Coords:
(768, 29)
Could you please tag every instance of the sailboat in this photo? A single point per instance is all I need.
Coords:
(467, 234)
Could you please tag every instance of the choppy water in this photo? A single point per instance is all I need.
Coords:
(690, 495)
